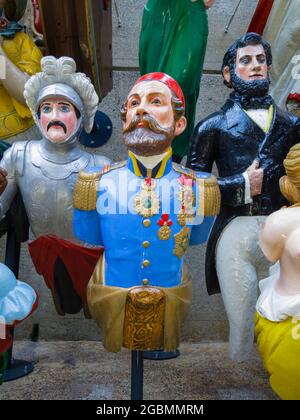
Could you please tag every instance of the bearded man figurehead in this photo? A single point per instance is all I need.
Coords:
(153, 114)
(245, 70)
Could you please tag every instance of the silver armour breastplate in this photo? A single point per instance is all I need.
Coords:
(47, 190)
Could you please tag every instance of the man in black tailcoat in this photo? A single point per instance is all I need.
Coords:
(248, 140)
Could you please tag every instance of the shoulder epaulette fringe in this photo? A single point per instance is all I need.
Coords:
(209, 196)
(86, 188)
(85, 191)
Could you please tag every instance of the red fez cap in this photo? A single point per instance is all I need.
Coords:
(167, 80)
(294, 97)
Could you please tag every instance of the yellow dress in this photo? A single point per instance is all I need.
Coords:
(279, 346)
(14, 117)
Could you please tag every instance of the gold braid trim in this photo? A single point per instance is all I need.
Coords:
(85, 191)
(86, 187)
(209, 196)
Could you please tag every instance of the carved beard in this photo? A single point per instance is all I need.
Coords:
(250, 94)
(249, 87)
(150, 140)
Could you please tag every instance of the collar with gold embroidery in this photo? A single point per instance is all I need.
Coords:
(161, 169)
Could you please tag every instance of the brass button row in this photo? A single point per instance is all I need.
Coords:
(146, 244)
(146, 263)
(147, 222)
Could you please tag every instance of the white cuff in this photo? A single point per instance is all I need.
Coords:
(248, 198)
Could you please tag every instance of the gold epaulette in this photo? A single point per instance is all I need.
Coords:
(209, 196)
(85, 191)
(86, 187)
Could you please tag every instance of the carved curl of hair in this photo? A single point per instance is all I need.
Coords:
(290, 184)
(63, 70)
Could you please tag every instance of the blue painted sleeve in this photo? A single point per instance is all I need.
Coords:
(86, 226)
(200, 232)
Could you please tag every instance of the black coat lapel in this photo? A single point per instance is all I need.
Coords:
(237, 117)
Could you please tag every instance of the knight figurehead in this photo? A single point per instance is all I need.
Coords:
(62, 101)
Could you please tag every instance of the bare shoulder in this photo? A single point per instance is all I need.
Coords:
(283, 220)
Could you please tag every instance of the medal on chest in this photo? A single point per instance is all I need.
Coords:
(146, 203)
(187, 199)
(164, 232)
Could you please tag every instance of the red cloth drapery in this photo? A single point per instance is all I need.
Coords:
(260, 16)
(79, 260)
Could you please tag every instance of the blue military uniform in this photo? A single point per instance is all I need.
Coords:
(145, 219)
(134, 250)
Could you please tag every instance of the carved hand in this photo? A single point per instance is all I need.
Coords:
(255, 175)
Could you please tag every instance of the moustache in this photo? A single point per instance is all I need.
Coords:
(148, 122)
(57, 123)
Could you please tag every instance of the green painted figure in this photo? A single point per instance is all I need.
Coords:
(173, 40)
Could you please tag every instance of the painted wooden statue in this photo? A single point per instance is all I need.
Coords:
(62, 102)
(18, 301)
(173, 40)
(278, 306)
(21, 58)
(248, 139)
(145, 211)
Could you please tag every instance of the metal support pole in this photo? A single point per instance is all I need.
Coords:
(12, 261)
(232, 17)
(16, 368)
(137, 372)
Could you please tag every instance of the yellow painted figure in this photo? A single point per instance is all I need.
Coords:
(278, 307)
(22, 59)
(279, 346)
